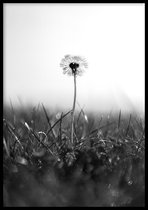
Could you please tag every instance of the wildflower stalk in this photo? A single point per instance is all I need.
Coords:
(73, 110)
(73, 66)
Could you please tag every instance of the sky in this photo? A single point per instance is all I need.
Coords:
(111, 37)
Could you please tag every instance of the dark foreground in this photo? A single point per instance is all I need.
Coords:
(104, 167)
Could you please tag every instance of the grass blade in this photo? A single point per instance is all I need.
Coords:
(57, 122)
(12, 112)
(38, 139)
(6, 147)
(60, 129)
(119, 119)
(48, 121)
(127, 130)
(79, 116)
(11, 130)
(81, 111)
(100, 122)
(106, 125)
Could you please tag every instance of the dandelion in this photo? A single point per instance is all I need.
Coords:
(73, 66)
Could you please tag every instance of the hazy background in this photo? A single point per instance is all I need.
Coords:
(109, 36)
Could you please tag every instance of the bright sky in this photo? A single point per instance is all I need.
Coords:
(110, 36)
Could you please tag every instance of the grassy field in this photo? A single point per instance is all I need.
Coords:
(105, 166)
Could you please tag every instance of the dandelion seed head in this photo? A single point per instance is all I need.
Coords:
(73, 65)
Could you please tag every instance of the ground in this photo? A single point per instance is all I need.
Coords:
(104, 167)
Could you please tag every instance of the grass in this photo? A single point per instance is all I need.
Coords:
(104, 167)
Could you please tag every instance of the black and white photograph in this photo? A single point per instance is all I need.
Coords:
(73, 104)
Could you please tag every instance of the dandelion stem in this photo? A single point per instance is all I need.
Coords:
(73, 110)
